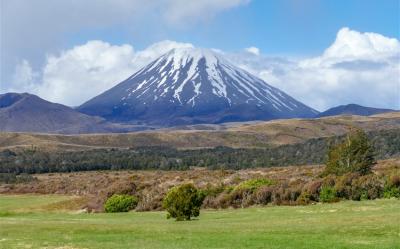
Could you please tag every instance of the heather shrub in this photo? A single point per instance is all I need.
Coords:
(183, 202)
(277, 196)
(223, 200)
(327, 194)
(240, 197)
(150, 200)
(329, 180)
(263, 195)
(367, 187)
(288, 195)
(343, 185)
(394, 180)
(313, 189)
(122, 187)
(120, 203)
(304, 198)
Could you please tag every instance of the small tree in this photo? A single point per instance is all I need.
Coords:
(183, 202)
(354, 154)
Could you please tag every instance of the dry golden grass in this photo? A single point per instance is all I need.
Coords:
(253, 134)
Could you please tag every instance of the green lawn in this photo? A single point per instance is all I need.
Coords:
(367, 224)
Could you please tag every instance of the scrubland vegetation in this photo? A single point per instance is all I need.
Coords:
(292, 185)
(349, 186)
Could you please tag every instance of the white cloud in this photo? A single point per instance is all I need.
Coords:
(24, 77)
(253, 50)
(351, 45)
(29, 29)
(153, 51)
(76, 75)
(360, 68)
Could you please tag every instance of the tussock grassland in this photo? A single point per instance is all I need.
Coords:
(235, 135)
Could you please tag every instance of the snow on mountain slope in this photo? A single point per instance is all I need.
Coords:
(191, 85)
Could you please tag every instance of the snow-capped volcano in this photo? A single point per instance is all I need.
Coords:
(191, 85)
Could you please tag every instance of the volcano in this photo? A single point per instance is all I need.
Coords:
(192, 86)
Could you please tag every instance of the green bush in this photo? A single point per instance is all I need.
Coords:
(213, 191)
(354, 154)
(327, 194)
(183, 202)
(390, 192)
(253, 184)
(120, 203)
(392, 187)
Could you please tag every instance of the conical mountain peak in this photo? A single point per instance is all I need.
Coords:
(193, 85)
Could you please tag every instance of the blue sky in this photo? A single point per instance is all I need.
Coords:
(289, 27)
(323, 53)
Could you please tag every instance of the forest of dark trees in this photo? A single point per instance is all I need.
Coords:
(313, 151)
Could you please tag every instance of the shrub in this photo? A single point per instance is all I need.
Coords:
(355, 154)
(391, 192)
(304, 198)
(253, 184)
(392, 187)
(122, 187)
(263, 195)
(366, 187)
(327, 194)
(241, 197)
(343, 185)
(313, 189)
(277, 196)
(222, 200)
(291, 195)
(212, 190)
(394, 180)
(183, 202)
(120, 203)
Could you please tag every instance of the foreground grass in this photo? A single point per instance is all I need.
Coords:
(367, 224)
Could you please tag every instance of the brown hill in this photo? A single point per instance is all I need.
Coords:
(28, 113)
(243, 135)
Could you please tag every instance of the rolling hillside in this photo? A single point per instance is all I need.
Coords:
(236, 135)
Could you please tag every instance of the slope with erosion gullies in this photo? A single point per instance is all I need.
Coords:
(236, 135)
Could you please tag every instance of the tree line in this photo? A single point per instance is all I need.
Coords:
(386, 144)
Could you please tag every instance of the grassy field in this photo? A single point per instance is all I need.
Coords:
(32, 221)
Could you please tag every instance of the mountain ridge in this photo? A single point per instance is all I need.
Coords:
(24, 112)
(353, 109)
